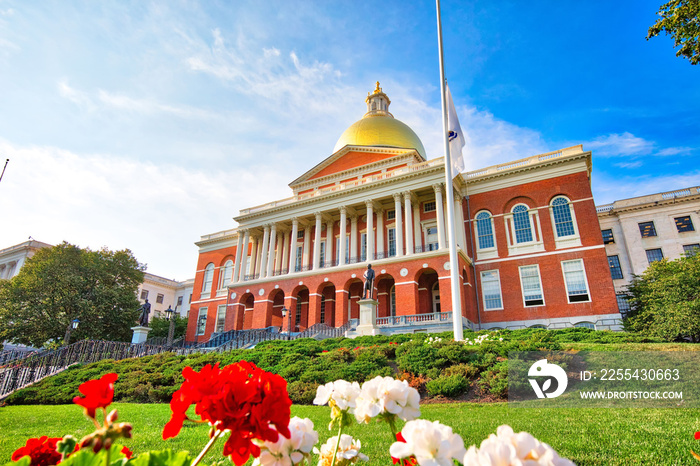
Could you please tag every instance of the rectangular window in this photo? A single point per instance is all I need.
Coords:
(647, 229)
(684, 224)
(575, 280)
(179, 301)
(391, 241)
(491, 289)
(363, 247)
(608, 236)
(189, 301)
(297, 318)
(299, 258)
(347, 249)
(144, 294)
(300, 234)
(323, 309)
(531, 285)
(202, 321)
(322, 254)
(221, 318)
(654, 255)
(159, 298)
(615, 269)
(690, 249)
(431, 238)
(623, 305)
(390, 214)
(429, 206)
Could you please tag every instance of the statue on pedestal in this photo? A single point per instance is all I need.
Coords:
(369, 282)
(145, 311)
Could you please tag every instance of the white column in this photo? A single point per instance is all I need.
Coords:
(459, 222)
(343, 234)
(244, 258)
(440, 215)
(265, 251)
(399, 224)
(253, 256)
(417, 236)
(307, 247)
(353, 238)
(329, 244)
(285, 251)
(370, 230)
(293, 245)
(317, 242)
(271, 251)
(237, 262)
(279, 256)
(380, 233)
(409, 222)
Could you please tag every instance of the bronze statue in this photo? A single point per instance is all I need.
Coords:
(369, 282)
(145, 311)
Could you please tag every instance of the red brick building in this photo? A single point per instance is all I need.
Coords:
(529, 245)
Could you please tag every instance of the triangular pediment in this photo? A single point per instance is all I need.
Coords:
(355, 161)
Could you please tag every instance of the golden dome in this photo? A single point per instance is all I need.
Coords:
(378, 127)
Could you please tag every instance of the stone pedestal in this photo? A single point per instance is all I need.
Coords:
(140, 334)
(368, 317)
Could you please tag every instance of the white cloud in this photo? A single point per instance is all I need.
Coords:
(123, 102)
(675, 151)
(607, 188)
(635, 164)
(616, 145)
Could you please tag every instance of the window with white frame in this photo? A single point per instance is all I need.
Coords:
(429, 206)
(220, 318)
(225, 274)
(299, 258)
(322, 254)
(563, 222)
(347, 249)
(522, 224)
(297, 317)
(531, 285)
(491, 290)
(390, 214)
(484, 230)
(323, 309)
(391, 241)
(575, 281)
(431, 238)
(363, 247)
(392, 300)
(208, 278)
(202, 321)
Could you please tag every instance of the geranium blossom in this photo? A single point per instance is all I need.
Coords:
(387, 395)
(348, 451)
(286, 452)
(240, 398)
(41, 450)
(344, 394)
(508, 448)
(98, 394)
(697, 435)
(431, 443)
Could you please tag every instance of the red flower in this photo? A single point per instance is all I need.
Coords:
(410, 461)
(41, 450)
(126, 452)
(98, 394)
(697, 435)
(241, 398)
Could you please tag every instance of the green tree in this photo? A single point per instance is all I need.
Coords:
(66, 282)
(665, 299)
(681, 20)
(160, 327)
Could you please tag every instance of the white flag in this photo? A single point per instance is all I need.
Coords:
(455, 136)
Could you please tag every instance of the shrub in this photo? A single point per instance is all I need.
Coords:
(495, 380)
(449, 386)
(302, 393)
(418, 358)
(468, 371)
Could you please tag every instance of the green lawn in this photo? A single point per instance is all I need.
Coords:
(587, 436)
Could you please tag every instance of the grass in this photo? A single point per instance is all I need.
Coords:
(586, 436)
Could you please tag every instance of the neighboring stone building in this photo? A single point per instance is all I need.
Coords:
(641, 230)
(12, 258)
(529, 247)
(163, 292)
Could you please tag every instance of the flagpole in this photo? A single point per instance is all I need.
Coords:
(454, 264)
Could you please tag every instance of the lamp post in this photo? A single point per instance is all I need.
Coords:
(288, 314)
(71, 326)
(202, 322)
(170, 315)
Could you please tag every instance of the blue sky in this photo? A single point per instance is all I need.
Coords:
(148, 124)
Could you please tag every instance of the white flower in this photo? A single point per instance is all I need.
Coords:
(432, 443)
(288, 451)
(387, 395)
(507, 448)
(341, 392)
(348, 451)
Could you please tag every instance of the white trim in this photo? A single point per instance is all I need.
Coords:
(570, 241)
(585, 278)
(522, 288)
(568, 251)
(486, 253)
(342, 291)
(209, 300)
(407, 283)
(264, 301)
(500, 290)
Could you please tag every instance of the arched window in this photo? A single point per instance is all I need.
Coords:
(226, 273)
(537, 326)
(484, 230)
(392, 300)
(590, 325)
(521, 221)
(561, 211)
(208, 278)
